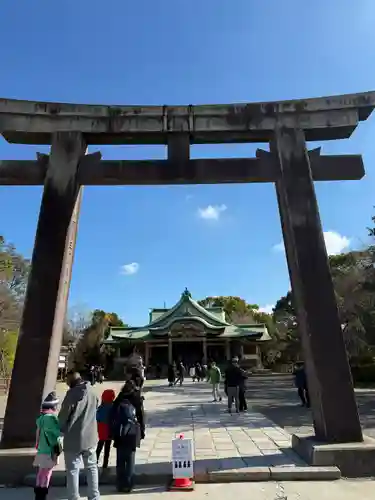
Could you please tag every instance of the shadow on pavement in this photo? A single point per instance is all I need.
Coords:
(106, 490)
(213, 464)
(276, 397)
(203, 464)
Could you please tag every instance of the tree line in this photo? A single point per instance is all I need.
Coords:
(83, 331)
(14, 270)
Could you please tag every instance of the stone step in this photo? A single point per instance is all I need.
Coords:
(288, 473)
(163, 475)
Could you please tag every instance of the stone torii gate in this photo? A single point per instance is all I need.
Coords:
(285, 125)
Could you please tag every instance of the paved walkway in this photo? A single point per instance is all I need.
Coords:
(276, 398)
(221, 441)
(336, 490)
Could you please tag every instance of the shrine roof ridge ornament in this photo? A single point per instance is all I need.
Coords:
(323, 118)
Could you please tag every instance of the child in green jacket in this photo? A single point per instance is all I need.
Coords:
(48, 445)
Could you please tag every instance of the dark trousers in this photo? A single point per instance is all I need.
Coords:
(242, 399)
(107, 449)
(125, 464)
(303, 394)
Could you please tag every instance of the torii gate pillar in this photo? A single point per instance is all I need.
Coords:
(334, 407)
(35, 368)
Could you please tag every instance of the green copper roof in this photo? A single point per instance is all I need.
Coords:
(258, 331)
(187, 311)
(126, 334)
(186, 306)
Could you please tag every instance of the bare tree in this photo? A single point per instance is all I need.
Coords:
(78, 319)
(88, 347)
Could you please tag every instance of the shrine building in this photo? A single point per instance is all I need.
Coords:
(190, 333)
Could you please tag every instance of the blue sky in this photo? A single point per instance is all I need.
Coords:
(186, 52)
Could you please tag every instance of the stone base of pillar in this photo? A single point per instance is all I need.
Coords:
(15, 465)
(353, 459)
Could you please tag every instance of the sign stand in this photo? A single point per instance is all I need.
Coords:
(182, 464)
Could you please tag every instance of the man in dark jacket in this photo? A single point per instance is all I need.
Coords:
(300, 382)
(180, 373)
(126, 445)
(171, 374)
(135, 373)
(233, 380)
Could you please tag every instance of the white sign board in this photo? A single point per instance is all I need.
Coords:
(62, 361)
(182, 458)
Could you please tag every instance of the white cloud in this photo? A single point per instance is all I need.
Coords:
(279, 247)
(188, 197)
(335, 243)
(129, 269)
(211, 212)
(267, 308)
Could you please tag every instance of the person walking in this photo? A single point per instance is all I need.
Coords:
(233, 379)
(300, 381)
(48, 445)
(136, 373)
(214, 377)
(102, 418)
(199, 372)
(77, 420)
(127, 430)
(100, 374)
(92, 375)
(192, 373)
(171, 374)
(180, 373)
(242, 392)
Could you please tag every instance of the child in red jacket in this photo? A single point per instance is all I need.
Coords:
(102, 417)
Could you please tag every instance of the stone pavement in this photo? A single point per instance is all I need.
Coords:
(276, 397)
(245, 444)
(223, 443)
(336, 490)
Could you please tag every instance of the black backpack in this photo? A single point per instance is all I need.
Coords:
(125, 422)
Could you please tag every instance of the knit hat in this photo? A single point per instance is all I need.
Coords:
(50, 402)
(108, 396)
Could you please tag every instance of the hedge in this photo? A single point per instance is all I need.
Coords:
(363, 373)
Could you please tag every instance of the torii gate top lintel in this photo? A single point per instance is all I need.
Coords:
(323, 118)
